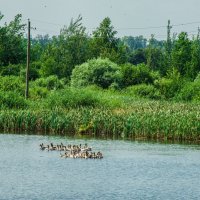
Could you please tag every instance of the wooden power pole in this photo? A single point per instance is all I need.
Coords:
(28, 60)
(169, 43)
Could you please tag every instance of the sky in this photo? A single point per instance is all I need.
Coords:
(129, 17)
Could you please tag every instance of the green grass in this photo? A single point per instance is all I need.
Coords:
(104, 113)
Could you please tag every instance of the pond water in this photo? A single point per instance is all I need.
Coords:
(129, 170)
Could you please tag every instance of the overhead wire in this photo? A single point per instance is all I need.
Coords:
(42, 30)
(127, 28)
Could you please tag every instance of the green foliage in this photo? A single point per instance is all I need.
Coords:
(135, 43)
(105, 44)
(190, 91)
(170, 85)
(132, 75)
(71, 98)
(12, 42)
(155, 59)
(50, 67)
(100, 72)
(51, 83)
(137, 57)
(194, 66)
(197, 79)
(143, 90)
(159, 73)
(34, 71)
(12, 100)
(11, 70)
(154, 43)
(181, 54)
(161, 69)
(37, 92)
(12, 83)
(39, 44)
(67, 50)
(143, 119)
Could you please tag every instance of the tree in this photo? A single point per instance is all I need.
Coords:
(133, 75)
(138, 57)
(134, 43)
(69, 49)
(12, 42)
(181, 54)
(155, 56)
(101, 72)
(155, 59)
(105, 44)
(39, 44)
(156, 43)
(194, 66)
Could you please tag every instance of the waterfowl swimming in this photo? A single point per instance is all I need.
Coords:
(42, 147)
(64, 155)
(52, 147)
(99, 155)
(73, 151)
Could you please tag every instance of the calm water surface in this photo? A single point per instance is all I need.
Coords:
(129, 170)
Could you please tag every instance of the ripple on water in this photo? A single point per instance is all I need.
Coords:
(129, 170)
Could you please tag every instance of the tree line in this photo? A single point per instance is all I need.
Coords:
(102, 58)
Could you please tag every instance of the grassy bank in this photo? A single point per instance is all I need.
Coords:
(104, 114)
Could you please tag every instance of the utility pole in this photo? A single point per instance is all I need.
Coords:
(198, 35)
(28, 60)
(169, 43)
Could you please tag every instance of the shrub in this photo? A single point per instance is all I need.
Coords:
(71, 97)
(169, 86)
(12, 100)
(50, 67)
(11, 70)
(133, 75)
(12, 83)
(51, 83)
(197, 78)
(38, 92)
(143, 90)
(190, 92)
(33, 71)
(100, 72)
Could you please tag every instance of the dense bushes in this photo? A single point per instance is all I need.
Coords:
(34, 71)
(190, 91)
(40, 88)
(11, 70)
(71, 98)
(12, 100)
(100, 72)
(128, 78)
(51, 83)
(143, 90)
(170, 85)
(12, 83)
(133, 75)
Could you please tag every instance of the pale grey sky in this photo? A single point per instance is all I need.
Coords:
(124, 14)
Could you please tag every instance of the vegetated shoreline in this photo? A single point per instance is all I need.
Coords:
(149, 121)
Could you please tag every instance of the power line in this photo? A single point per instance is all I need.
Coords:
(45, 22)
(46, 31)
(126, 28)
(189, 23)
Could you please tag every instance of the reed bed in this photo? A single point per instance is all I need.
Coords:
(147, 120)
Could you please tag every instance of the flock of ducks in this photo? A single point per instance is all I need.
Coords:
(73, 151)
